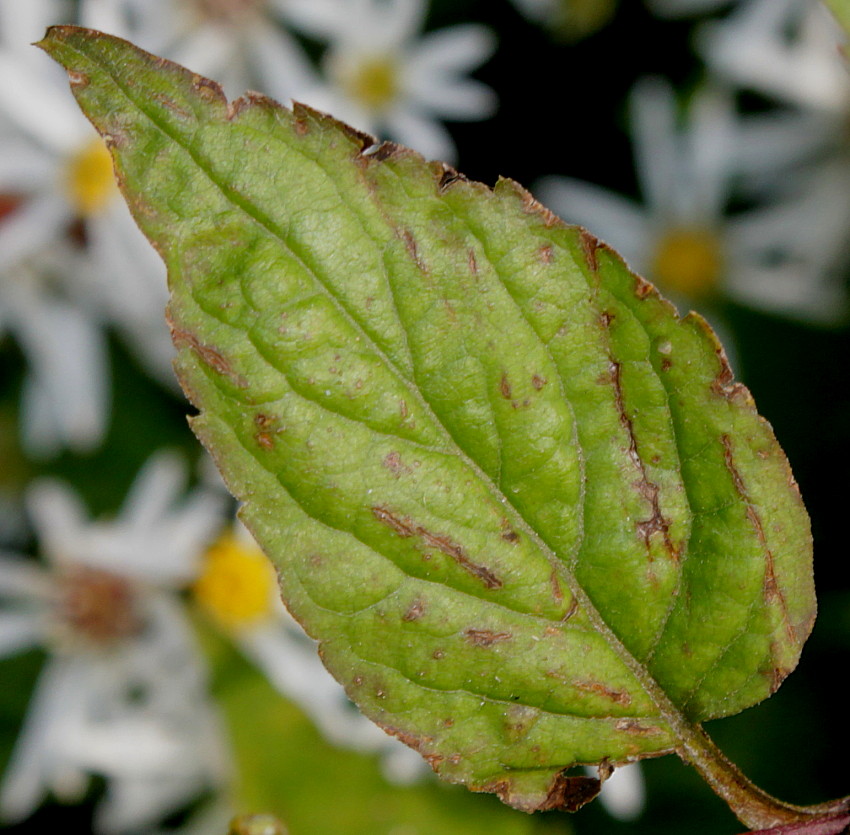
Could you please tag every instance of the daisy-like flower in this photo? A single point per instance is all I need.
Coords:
(386, 80)
(65, 398)
(238, 590)
(765, 258)
(786, 49)
(240, 43)
(123, 692)
(56, 174)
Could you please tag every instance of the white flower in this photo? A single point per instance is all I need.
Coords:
(784, 257)
(65, 397)
(386, 80)
(123, 692)
(623, 792)
(239, 43)
(786, 49)
(71, 258)
(238, 590)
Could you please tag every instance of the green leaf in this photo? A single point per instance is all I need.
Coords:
(522, 504)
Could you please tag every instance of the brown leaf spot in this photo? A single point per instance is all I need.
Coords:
(211, 356)
(263, 421)
(207, 89)
(538, 382)
(395, 465)
(620, 697)
(78, 79)
(643, 288)
(414, 610)
(473, 264)
(633, 726)
(448, 722)
(546, 254)
(437, 654)
(505, 386)
(569, 794)
(448, 177)
(510, 536)
(407, 528)
(485, 637)
(771, 591)
(589, 245)
(265, 440)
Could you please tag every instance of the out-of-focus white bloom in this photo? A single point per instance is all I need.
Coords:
(71, 258)
(386, 79)
(239, 43)
(623, 794)
(685, 8)
(238, 590)
(786, 49)
(65, 397)
(123, 692)
(681, 240)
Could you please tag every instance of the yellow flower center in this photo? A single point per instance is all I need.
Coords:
(96, 606)
(237, 584)
(91, 184)
(688, 261)
(374, 82)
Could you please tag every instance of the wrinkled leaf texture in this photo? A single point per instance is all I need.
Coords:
(523, 506)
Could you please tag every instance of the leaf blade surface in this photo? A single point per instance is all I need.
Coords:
(521, 504)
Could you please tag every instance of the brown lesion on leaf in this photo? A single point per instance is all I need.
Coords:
(546, 253)
(392, 461)
(505, 386)
(448, 177)
(412, 248)
(538, 382)
(657, 522)
(211, 357)
(633, 726)
(265, 440)
(570, 793)
(485, 637)
(771, 590)
(643, 288)
(414, 611)
(724, 385)
(472, 262)
(78, 80)
(589, 244)
(597, 688)
(405, 527)
(207, 89)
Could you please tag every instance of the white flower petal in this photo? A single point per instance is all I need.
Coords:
(31, 770)
(19, 630)
(34, 225)
(22, 578)
(280, 63)
(652, 115)
(623, 793)
(39, 104)
(454, 50)
(429, 137)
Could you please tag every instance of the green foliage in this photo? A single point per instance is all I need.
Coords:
(522, 505)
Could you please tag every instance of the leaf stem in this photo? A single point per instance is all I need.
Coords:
(754, 807)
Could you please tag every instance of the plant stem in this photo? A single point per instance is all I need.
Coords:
(754, 808)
